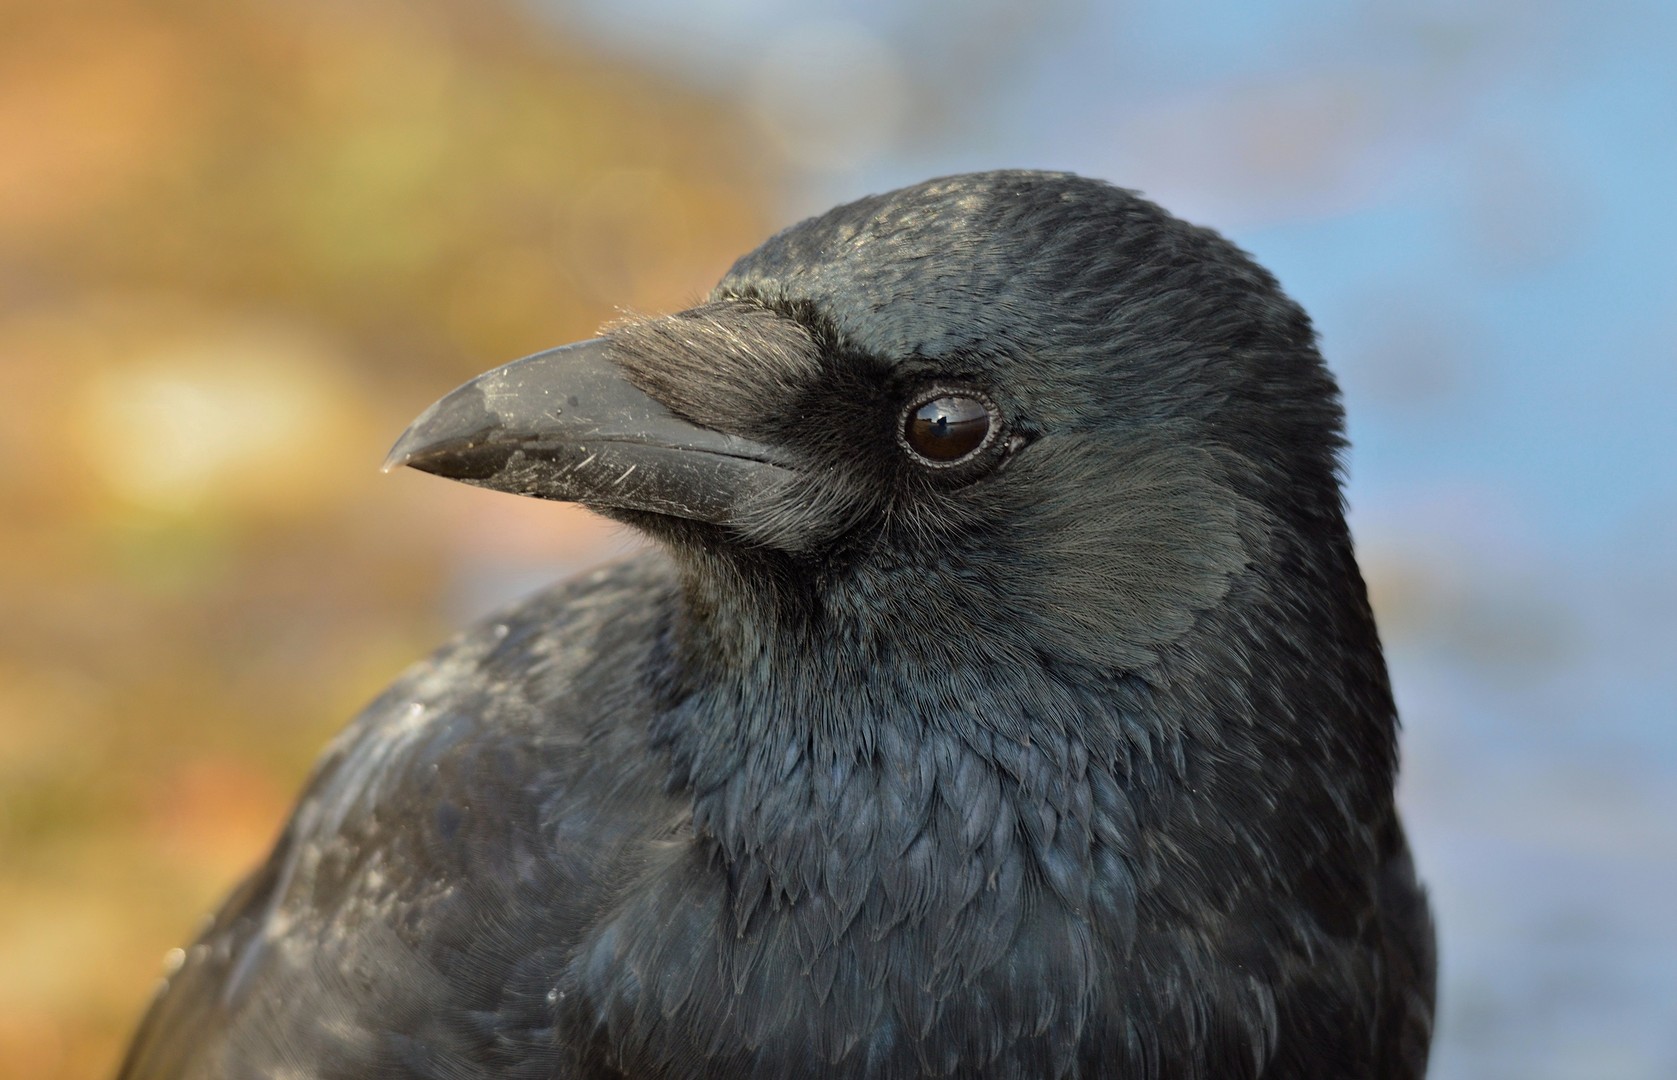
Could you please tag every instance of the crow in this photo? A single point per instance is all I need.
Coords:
(1001, 698)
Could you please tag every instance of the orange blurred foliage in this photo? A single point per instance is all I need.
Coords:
(241, 245)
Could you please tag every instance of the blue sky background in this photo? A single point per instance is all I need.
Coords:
(1476, 204)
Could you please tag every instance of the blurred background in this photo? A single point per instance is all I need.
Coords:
(243, 243)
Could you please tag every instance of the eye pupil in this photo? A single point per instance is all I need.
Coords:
(947, 428)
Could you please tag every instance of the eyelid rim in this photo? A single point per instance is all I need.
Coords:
(930, 394)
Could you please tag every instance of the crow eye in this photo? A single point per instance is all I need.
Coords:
(949, 428)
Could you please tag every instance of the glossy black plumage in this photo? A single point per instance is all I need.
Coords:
(1074, 758)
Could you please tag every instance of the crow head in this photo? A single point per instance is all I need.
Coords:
(1023, 402)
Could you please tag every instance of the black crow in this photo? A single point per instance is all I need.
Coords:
(1001, 700)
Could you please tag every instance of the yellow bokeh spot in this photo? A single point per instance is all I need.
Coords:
(247, 421)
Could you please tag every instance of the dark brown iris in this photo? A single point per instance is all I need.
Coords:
(947, 429)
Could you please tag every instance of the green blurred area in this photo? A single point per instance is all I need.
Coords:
(241, 245)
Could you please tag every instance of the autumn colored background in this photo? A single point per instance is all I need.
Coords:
(243, 243)
(241, 246)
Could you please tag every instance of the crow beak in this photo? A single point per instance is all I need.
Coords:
(567, 424)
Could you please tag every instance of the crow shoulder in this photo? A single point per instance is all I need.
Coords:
(502, 782)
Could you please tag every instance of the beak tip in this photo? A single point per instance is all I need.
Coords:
(457, 422)
(400, 454)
